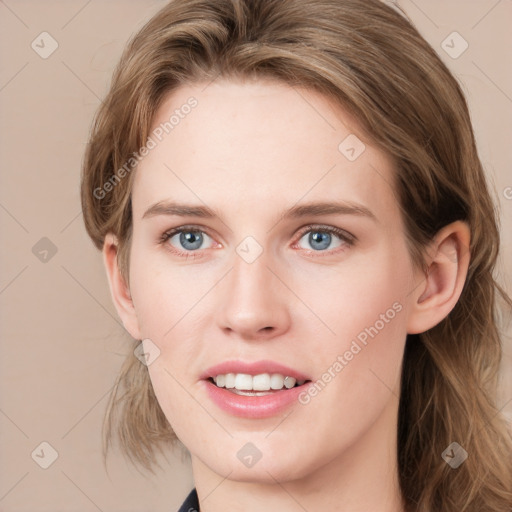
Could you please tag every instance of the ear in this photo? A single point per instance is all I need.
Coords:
(118, 288)
(441, 286)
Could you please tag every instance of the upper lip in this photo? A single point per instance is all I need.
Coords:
(252, 368)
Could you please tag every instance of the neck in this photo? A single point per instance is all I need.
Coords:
(364, 478)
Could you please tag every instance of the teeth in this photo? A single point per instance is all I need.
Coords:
(276, 381)
(230, 380)
(260, 382)
(243, 381)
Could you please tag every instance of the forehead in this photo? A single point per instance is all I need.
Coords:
(247, 145)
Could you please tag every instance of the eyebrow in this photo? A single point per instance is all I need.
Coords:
(304, 210)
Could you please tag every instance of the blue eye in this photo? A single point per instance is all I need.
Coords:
(188, 239)
(321, 238)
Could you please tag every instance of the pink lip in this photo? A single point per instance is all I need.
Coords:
(255, 368)
(253, 406)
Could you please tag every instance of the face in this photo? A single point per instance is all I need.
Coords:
(268, 243)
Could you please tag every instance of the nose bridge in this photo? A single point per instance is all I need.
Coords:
(250, 279)
(253, 302)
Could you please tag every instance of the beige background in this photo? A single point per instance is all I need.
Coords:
(62, 343)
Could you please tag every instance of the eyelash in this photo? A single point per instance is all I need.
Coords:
(343, 235)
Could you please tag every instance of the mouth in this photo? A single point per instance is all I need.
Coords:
(254, 390)
(262, 384)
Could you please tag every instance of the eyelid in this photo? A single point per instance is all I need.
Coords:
(341, 233)
(168, 234)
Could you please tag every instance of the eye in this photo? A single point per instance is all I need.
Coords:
(321, 238)
(185, 239)
(188, 241)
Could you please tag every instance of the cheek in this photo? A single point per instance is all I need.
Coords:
(367, 294)
(360, 348)
(162, 292)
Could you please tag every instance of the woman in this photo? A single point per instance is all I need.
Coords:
(299, 237)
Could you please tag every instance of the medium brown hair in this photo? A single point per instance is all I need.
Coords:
(371, 61)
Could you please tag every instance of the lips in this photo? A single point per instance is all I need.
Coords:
(253, 403)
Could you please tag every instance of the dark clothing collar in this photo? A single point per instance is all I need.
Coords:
(191, 504)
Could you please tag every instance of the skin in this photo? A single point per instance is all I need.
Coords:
(250, 151)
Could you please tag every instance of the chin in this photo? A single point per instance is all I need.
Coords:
(282, 464)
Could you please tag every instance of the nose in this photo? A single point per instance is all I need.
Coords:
(255, 303)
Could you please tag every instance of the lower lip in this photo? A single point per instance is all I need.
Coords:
(253, 406)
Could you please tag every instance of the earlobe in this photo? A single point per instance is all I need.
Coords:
(119, 290)
(441, 286)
